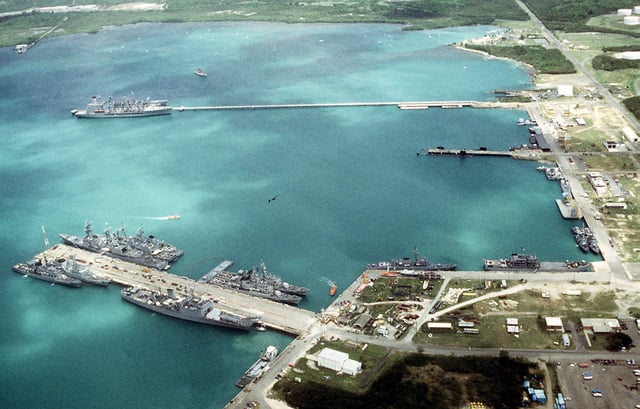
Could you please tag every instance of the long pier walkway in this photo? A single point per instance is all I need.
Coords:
(409, 105)
(526, 154)
(273, 315)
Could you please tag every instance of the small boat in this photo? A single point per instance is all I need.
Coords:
(200, 72)
(333, 289)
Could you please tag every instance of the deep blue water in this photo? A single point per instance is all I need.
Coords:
(350, 187)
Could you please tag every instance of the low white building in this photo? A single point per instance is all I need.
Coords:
(565, 90)
(631, 20)
(629, 134)
(554, 324)
(338, 361)
(600, 325)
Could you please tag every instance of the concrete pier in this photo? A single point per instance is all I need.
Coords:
(273, 315)
(405, 105)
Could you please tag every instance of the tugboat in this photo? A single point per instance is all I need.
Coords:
(190, 308)
(200, 72)
(418, 263)
(333, 289)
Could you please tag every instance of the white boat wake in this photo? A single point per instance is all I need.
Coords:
(171, 217)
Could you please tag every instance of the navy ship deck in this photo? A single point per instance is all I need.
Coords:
(273, 315)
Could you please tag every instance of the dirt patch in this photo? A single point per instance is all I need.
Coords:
(138, 6)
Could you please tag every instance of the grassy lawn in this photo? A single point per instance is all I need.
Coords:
(373, 359)
(491, 320)
(419, 15)
(493, 334)
(609, 162)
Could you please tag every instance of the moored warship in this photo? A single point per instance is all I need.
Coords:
(42, 270)
(585, 239)
(138, 249)
(417, 263)
(125, 108)
(73, 269)
(529, 262)
(190, 308)
(258, 284)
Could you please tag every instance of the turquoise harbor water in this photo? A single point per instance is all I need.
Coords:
(350, 187)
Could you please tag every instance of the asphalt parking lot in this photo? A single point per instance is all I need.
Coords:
(616, 380)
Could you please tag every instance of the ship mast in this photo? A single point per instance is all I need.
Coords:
(46, 244)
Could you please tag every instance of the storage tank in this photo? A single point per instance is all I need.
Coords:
(624, 12)
(636, 10)
(631, 20)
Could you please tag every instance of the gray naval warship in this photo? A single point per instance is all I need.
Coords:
(41, 269)
(139, 249)
(190, 308)
(73, 269)
(417, 263)
(124, 108)
(258, 284)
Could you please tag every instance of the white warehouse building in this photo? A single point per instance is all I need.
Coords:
(631, 20)
(338, 361)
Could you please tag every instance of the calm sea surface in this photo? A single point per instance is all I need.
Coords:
(350, 187)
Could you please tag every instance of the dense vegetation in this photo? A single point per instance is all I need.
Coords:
(633, 105)
(572, 15)
(609, 63)
(417, 14)
(421, 381)
(545, 61)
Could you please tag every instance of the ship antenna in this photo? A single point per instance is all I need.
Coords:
(46, 239)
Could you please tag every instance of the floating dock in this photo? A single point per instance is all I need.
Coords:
(223, 266)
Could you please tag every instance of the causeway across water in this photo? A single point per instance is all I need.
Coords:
(409, 105)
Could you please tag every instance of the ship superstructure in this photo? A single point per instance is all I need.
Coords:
(139, 249)
(407, 263)
(191, 308)
(124, 108)
(258, 284)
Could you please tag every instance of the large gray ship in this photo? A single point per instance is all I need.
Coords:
(407, 263)
(258, 284)
(42, 270)
(73, 269)
(190, 308)
(139, 249)
(125, 108)
(529, 262)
